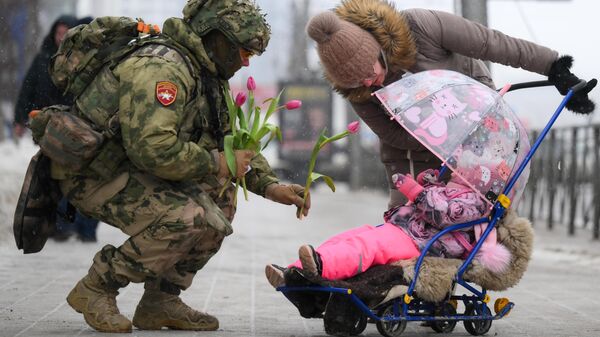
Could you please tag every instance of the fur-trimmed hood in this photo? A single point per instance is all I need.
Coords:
(391, 30)
(419, 39)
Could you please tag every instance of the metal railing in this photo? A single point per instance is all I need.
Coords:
(564, 184)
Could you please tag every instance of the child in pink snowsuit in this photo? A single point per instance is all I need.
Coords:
(407, 229)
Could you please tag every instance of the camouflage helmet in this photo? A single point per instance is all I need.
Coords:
(239, 20)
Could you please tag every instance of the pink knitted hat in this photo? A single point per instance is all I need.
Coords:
(347, 51)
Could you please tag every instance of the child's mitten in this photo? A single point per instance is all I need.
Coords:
(429, 176)
(407, 186)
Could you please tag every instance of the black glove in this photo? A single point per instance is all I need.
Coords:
(563, 79)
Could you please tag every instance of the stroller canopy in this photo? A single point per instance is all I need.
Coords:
(464, 123)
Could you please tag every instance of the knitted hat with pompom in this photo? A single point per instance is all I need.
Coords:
(346, 51)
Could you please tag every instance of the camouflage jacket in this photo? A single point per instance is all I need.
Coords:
(160, 95)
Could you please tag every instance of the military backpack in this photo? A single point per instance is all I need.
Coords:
(63, 136)
(86, 49)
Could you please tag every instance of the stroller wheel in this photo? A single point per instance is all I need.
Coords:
(331, 328)
(477, 327)
(342, 317)
(445, 309)
(389, 328)
(360, 326)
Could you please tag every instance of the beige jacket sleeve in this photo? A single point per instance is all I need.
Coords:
(459, 35)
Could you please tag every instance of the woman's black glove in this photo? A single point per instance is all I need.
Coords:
(563, 80)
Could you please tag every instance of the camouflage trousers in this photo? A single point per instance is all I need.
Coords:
(174, 228)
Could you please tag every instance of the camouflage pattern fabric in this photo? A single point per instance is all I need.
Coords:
(35, 214)
(175, 227)
(86, 48)
(69, 140)
(156, 179)
(177, 144)
(240, 20)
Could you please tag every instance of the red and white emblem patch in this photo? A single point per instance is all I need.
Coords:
(166, 92)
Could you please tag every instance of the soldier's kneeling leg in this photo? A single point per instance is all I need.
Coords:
(161, 306)
(173, 233)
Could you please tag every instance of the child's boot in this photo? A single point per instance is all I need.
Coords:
(274, 274)
(310, 259)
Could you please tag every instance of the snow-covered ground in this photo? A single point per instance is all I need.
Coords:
(14, 158)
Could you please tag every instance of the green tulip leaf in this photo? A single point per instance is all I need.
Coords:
(250, 105)
(262, 132)
(266, 129)
(314, 176)
(242, 118)
(232, 109)
(268, 100)
(256, 121)
(271, 137)
(253, 145)
(245, 188)
(229, 154)
(272, 106)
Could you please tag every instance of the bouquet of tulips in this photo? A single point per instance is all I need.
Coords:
(319, 144)
(250, 127)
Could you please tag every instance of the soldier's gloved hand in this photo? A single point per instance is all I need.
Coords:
(242, 163)
(288, 195)
(563, 79)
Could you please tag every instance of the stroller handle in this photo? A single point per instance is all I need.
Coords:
(536, 84)
(525, 85)
(582, 84)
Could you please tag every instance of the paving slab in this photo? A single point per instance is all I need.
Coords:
(558, 296)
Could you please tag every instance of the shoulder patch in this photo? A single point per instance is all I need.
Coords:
(166, 92)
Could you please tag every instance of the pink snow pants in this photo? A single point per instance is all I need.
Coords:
(356, 250)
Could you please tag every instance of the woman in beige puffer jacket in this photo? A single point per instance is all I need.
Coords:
(366, 44)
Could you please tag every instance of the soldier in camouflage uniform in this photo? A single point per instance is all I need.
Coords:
(158, 178)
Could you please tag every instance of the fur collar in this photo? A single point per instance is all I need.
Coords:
(391, 30)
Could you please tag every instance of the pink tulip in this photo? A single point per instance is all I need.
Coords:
(293, 104)
(353, 127)
(250, 84)
(240, 99)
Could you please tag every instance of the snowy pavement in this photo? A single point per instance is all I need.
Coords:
(558, 296)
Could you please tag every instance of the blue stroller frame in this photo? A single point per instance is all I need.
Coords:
(392, 316)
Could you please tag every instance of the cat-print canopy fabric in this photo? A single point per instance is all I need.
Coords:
(466, 124)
